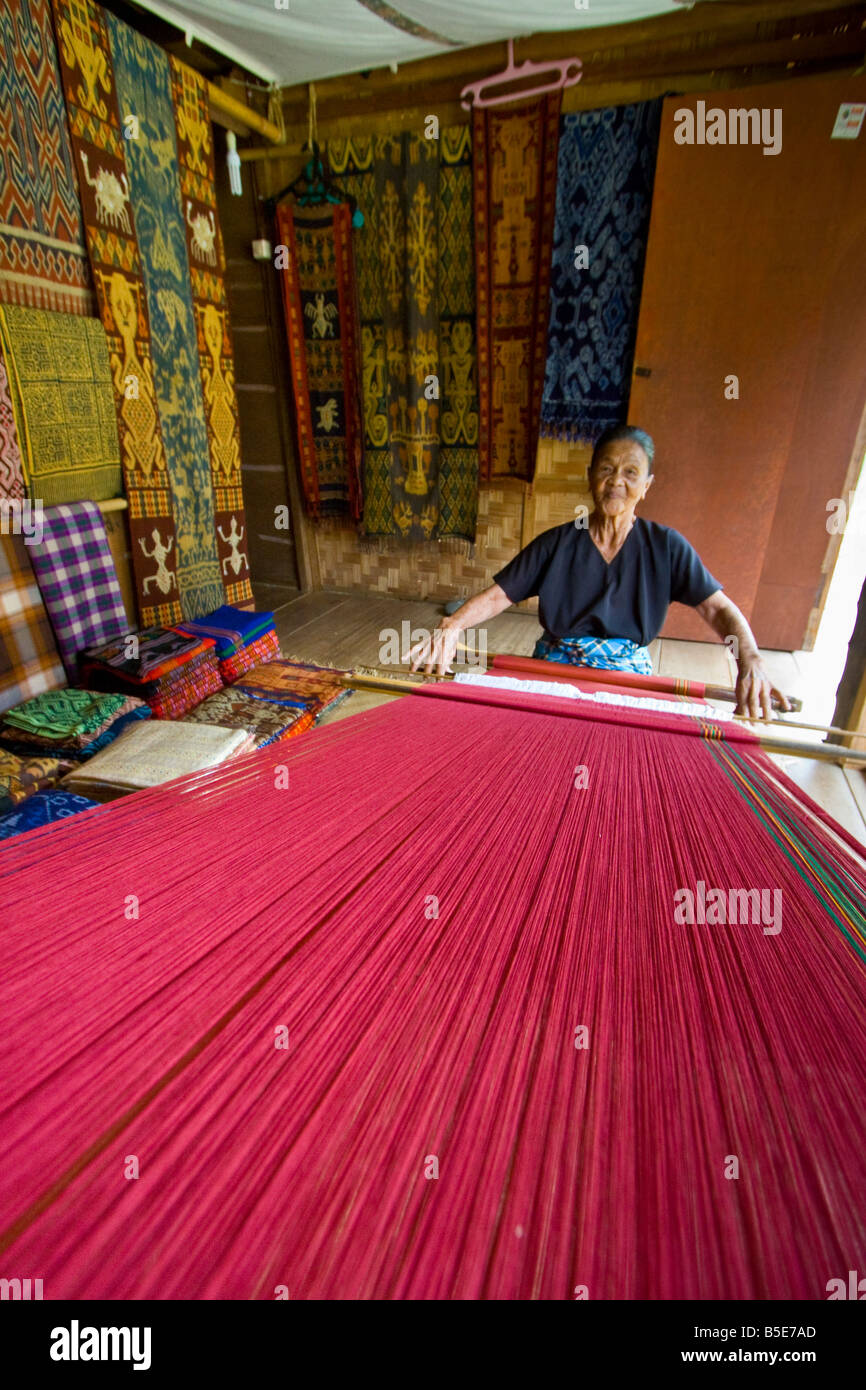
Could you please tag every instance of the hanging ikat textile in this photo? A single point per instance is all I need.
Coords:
(417, 310)
(603, 199)
(99, 146)
(318, 287)
(210, 306)
(43, 258)
(515, 185)
(147, 211)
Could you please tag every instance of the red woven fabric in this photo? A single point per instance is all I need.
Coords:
(425, 907)
(555, 671)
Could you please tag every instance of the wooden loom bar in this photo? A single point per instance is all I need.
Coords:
(227, 105)
(828, 753)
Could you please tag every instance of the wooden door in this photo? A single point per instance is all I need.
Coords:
(756, 269)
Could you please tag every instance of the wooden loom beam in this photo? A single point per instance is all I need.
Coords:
(828, 753)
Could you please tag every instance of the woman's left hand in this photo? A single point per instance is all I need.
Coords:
(755, 690)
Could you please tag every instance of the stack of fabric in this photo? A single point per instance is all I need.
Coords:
(149, 754)
(296, 684)
(70, 725)
(266, 720)
(170, 671)
(23, 776)
(243, 640)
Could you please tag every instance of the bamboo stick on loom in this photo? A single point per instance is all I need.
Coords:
(711, 692)
(828, 753)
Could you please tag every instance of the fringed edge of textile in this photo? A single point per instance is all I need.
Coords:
(399, 545)
(560, 424)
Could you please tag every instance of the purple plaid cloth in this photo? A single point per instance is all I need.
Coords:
(79, 584)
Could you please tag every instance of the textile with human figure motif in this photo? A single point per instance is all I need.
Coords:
(514, 153)
(43, 259)
(318, 285)
(417, 312)
(100, 154)
(210, 307)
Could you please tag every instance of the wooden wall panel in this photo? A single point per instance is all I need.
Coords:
(755, 268)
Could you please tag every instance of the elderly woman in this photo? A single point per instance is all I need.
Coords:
(604, 588)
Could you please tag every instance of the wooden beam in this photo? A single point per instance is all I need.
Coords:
(222, 104)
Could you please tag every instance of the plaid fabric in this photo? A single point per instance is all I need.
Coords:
(264, 649)
(607, 653)
(43, 808)
(314, 688)
(181, 690)
(160, 651)
(229, 627)
(21, 776)
(265, 720)
(79, 584)
(29, 659)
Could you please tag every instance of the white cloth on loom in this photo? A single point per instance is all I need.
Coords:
(151, 753)
(571, 692)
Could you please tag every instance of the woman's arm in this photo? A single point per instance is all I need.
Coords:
(440, 647)
(755, 691)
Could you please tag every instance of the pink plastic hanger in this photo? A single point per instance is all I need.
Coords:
(569, 71)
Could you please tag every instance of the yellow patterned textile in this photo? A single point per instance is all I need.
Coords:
(63, 401)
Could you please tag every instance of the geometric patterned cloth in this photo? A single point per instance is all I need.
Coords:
(143, 657)
(267, 721)
(79, 585)
(63, 397)
(605, 653)
(99, 148)
(416, 291)
(514, 164)
(257, 653)
(295, 683)
(43, 808)
(71, 752)
(11, 470)
(183, 689)
(72, 717)
(603, 200)
(143, 80)
(320, 306)
(197, 200)
(43, 259)
(29, 659)
(21, 776)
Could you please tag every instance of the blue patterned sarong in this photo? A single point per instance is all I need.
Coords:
(607, 653)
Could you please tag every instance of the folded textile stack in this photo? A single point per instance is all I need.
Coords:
(23, 776)
(43, 808)
(243, 640)
(155, 752)
(264, 719)
(295, 683)
(72, 724)
(171, 671)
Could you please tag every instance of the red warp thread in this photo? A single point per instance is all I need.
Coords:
(432, 907)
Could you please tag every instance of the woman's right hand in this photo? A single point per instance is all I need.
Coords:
(438, 649)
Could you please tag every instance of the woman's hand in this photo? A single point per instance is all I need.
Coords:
(755, 691)
(437, 649)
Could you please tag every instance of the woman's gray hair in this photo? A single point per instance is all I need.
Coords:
(631, 432)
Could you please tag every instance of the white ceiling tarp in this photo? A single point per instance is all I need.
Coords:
(289, 41)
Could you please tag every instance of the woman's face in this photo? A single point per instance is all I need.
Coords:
(619, 478)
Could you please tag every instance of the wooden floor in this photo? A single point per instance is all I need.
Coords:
(348, 630)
